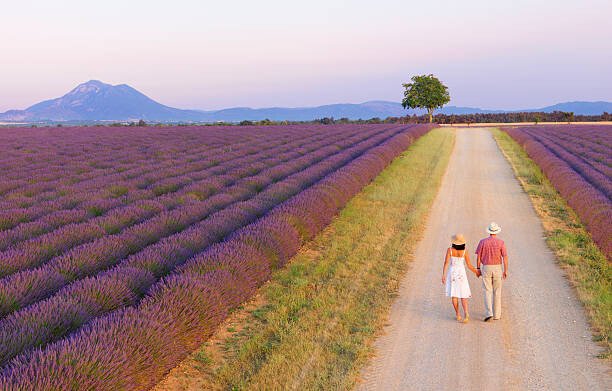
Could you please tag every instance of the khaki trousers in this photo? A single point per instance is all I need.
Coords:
(492, 284)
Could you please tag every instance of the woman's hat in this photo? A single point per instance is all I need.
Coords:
(458, 239)
(493, 228)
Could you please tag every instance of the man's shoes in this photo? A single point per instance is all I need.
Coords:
(496, 318)
(488, 318)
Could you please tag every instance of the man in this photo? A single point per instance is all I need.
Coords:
(491, 252)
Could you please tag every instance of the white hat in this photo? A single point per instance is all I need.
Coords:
(493, 228)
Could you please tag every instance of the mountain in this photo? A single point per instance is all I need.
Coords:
(367, 110)
(584, 108)
(96, 101)
(348, 110)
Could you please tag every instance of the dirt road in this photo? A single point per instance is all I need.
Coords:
(542, 341)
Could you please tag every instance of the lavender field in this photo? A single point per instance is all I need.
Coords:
(122, 249)
(578, 162)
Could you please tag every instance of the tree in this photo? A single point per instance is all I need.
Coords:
(265, 121)
(425, 92)
(537, 118)
(568, 115)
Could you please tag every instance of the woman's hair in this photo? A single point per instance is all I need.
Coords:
(459, 246)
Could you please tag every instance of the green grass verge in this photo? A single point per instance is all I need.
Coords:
(587, 267)
(314, 322)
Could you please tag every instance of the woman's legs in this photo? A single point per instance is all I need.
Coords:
(464, 304)
(455, 301)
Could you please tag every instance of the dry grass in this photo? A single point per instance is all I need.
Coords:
(489, 124)
(585, 265)
(312, 325)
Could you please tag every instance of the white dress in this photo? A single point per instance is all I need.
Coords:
(457, 284)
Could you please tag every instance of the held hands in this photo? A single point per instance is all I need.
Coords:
(478, 273)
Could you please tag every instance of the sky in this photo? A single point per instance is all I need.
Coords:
(209, 55)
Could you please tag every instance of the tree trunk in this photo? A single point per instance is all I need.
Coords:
(430, 112)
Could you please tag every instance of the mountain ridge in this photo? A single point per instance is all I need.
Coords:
(98, 101)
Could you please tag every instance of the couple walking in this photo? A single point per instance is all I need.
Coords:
(490, 253)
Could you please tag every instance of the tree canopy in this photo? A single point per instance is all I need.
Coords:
(425, 92)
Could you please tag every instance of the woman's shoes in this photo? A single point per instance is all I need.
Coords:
(463, 320)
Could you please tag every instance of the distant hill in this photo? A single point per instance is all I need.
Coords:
(367, 110)
(584, 108)
(97, 101)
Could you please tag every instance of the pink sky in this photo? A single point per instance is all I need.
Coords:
(207, 55)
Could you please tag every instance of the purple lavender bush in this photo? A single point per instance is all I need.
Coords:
(122, 314)
(577, 160)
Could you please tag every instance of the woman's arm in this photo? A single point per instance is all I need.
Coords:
(445, 268)
(469, 263)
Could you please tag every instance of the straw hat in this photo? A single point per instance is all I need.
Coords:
(493, 228)
(458, 239)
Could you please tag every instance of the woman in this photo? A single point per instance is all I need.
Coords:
(455, 278)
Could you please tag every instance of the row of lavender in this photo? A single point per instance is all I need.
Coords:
(578, 162)
(61, 313)
(225, 274)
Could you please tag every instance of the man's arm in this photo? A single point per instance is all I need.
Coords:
(478, 261)
(478, 272)
(505, 266)
(505, 258)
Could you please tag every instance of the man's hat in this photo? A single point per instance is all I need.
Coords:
(493, 228)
